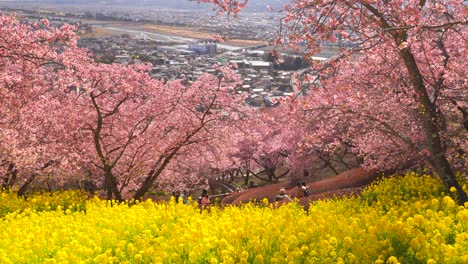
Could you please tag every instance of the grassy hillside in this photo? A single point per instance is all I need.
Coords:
(398, 220)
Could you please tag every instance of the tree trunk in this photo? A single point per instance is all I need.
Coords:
(22, 190)
(153, 175)
(429, 117)
(108, 189)
(111, 186)
(150, 178)
(246, 177)
(271, 174)
(10, 177)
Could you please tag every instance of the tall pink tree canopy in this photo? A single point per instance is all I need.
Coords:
(401, 79)
(115, 122)
(34, 61)
(133, 126)
(395, 95)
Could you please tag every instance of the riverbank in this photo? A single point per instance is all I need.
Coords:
(160, 32)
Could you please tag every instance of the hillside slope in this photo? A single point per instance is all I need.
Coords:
(348, 182)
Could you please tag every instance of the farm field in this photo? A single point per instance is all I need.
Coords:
(109, 28)
(397, 220)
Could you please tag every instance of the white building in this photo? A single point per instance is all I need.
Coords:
(203, 48)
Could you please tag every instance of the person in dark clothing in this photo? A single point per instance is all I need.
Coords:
(305, 189)
(183, 197)
(202, 199)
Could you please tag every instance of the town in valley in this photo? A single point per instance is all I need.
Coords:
(182, 44)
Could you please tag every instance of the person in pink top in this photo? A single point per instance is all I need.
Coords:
(205, 203)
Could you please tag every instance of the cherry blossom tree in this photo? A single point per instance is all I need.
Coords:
(133, 126)
(263, 144)
(229, 7)
(213, 160)
(194, 167)
(405, 63)
(404, 71)
(34, 60)
(112, 122)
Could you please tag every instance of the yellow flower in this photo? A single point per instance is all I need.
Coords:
(392, 260)
(259, 259)
(138, 257)
(350, 230)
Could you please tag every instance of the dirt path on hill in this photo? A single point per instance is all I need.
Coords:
(350, 182)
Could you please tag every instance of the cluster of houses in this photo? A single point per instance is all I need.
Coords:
(263, 83)
(263, 77)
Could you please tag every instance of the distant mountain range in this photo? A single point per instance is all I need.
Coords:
(253, 5)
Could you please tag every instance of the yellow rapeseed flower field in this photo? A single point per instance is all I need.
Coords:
(397, 220)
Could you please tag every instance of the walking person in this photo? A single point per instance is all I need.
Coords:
(183, 197)
(305, 189)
